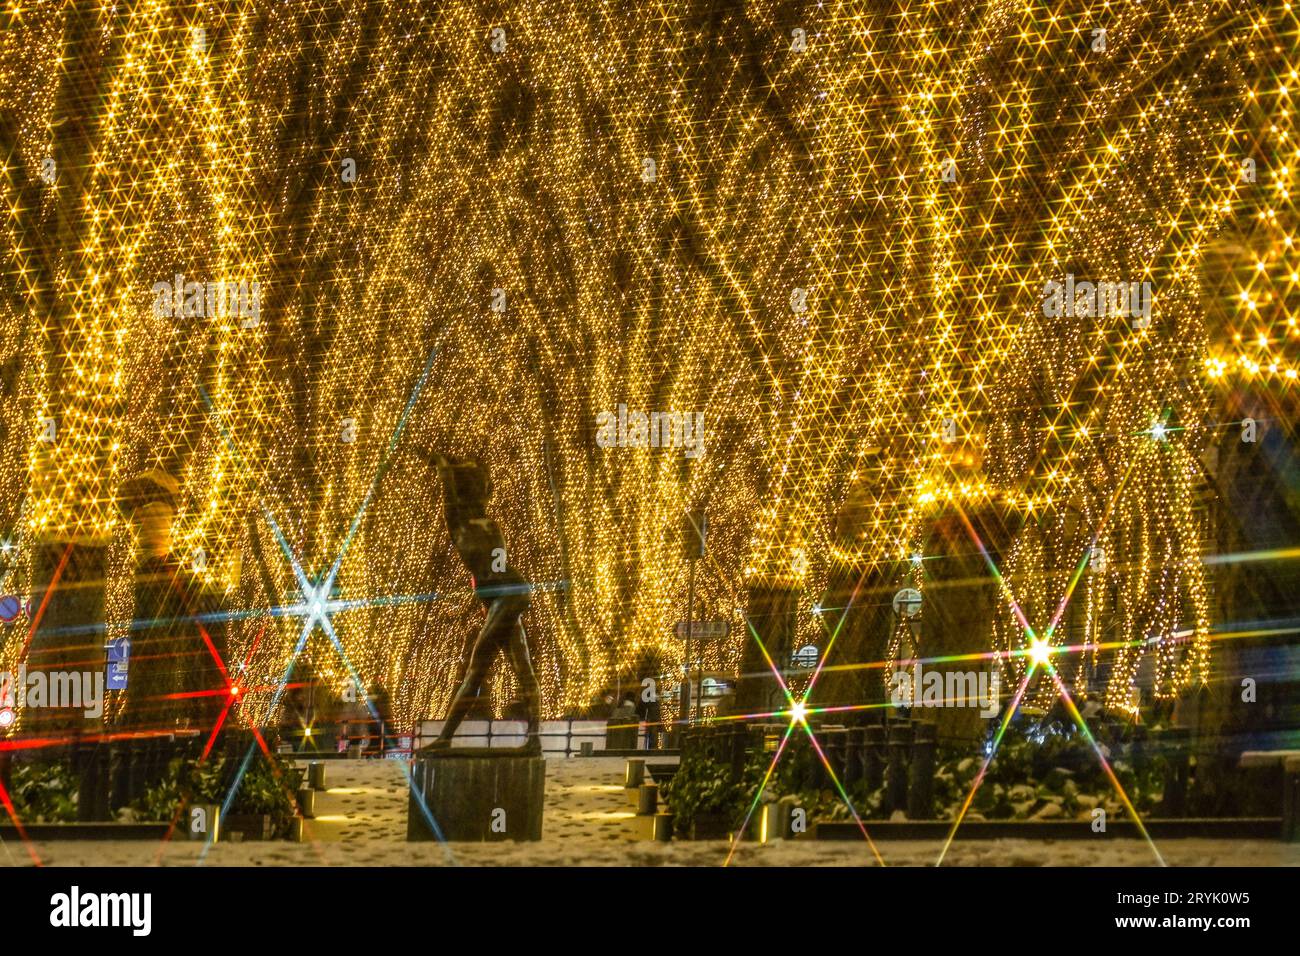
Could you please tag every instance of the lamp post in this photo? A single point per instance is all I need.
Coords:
(696, 537)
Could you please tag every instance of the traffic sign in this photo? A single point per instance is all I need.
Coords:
(806, 657)
(704, 630)
(907, 603)
(12, 607)
(119, 658)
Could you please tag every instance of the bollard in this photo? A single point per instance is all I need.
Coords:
(316, 774)
(873, 757)
(634, 776)
(307, 802)
(920, 791)
(900, 742)
(661, 827)
(788, 805)
(767, 823)
(774, 820)
(202, 820)
(587, 748)
(647, 800)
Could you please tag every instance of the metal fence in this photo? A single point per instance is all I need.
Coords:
(560, 738)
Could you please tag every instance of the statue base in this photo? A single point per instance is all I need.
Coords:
(476, 794)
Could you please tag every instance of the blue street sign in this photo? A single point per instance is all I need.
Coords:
(119, 657)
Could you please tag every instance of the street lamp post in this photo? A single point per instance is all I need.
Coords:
(696, 537)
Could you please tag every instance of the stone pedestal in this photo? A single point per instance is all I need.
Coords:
(476, 794)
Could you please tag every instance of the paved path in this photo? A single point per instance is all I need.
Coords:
(361, 820)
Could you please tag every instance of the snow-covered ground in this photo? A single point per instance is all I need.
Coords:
(361, 821)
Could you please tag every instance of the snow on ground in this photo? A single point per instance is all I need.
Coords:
(361, 821)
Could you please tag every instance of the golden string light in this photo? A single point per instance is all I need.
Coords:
(828, 229)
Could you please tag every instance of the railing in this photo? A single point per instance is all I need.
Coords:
(560, 738)
(113, 772)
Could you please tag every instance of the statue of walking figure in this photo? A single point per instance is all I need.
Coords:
(503, 591)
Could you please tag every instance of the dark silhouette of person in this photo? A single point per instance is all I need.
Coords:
(648, 708)
(383, 708)
(503, 590)
(649, 711)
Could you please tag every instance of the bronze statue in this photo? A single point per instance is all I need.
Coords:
(503, 590)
